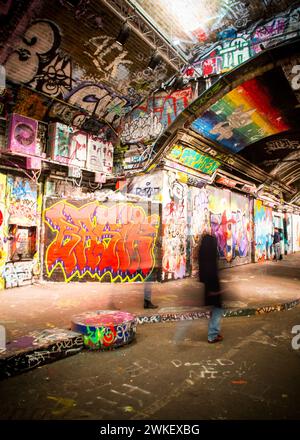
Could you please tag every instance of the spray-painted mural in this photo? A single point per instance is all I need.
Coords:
(150, 118)
(200, 222)
(100, 78)
(23, 207)
(148, 186)
(188, 212)
(174, 227)
(247, 114)
(296, 232)
(3, 244)
(287, 233)
(230, 223)
(263, 230)
(92, 241)
(193, 159)
(22, 199)
(235, 47)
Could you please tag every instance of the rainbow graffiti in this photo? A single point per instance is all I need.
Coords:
(243, 116)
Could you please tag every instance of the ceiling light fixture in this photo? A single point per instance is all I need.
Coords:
(123, 34)
(155, 60)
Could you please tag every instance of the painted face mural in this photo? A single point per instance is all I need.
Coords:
(94, 240)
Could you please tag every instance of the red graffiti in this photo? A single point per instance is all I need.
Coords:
(96, 239)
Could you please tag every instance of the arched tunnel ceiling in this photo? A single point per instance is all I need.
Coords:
(251, 114)
(65, 51)
(191, 24)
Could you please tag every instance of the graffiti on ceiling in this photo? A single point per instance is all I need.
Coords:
(250, 112)
(191, 23)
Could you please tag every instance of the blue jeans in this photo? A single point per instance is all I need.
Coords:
(147, 291)
(214, 324)
(277, 250)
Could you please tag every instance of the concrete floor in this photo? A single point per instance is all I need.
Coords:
(170, 373)
(49, 304)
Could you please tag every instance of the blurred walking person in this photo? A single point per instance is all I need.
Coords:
(147, 296)
(209, 275)
(277, 244)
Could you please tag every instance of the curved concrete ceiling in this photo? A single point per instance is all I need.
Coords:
(243, 113)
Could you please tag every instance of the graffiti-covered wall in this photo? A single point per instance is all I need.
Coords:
(200, 221)
(263, 230)
(19, 230)
(296, 232)
(189, 211)
(287, 233)
(230, 223)
(112, 242)
(174, 227)
(3, 228)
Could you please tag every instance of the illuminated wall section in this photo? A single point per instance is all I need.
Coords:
(174, 227)
(200, 220)
(230, 223)
(296, 232)
(263, 230)
(288, 231)
(115, 242)
(243, 116)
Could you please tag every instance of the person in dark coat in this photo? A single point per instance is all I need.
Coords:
(209, 275)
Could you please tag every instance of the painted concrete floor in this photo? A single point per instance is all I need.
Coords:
(170, 373)
(48, 305)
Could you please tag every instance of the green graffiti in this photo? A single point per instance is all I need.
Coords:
(191, 158)
(94, 336)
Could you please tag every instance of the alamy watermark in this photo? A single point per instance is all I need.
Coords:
(296, 338)
(2, 79)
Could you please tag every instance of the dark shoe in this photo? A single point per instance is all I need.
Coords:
(219, 338)
(148, 305)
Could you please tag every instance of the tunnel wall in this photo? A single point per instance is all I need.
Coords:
(101, 241)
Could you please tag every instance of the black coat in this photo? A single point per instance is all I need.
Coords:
(208, 270)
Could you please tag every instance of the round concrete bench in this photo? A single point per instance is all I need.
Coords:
(105, 329)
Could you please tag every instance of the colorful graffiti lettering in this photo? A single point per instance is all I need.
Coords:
(143, 128)
(164, 106)
(100, 337)
(191, 158)
(97, 240)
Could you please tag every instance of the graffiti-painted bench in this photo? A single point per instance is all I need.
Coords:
(38, 348)
(105, 329)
